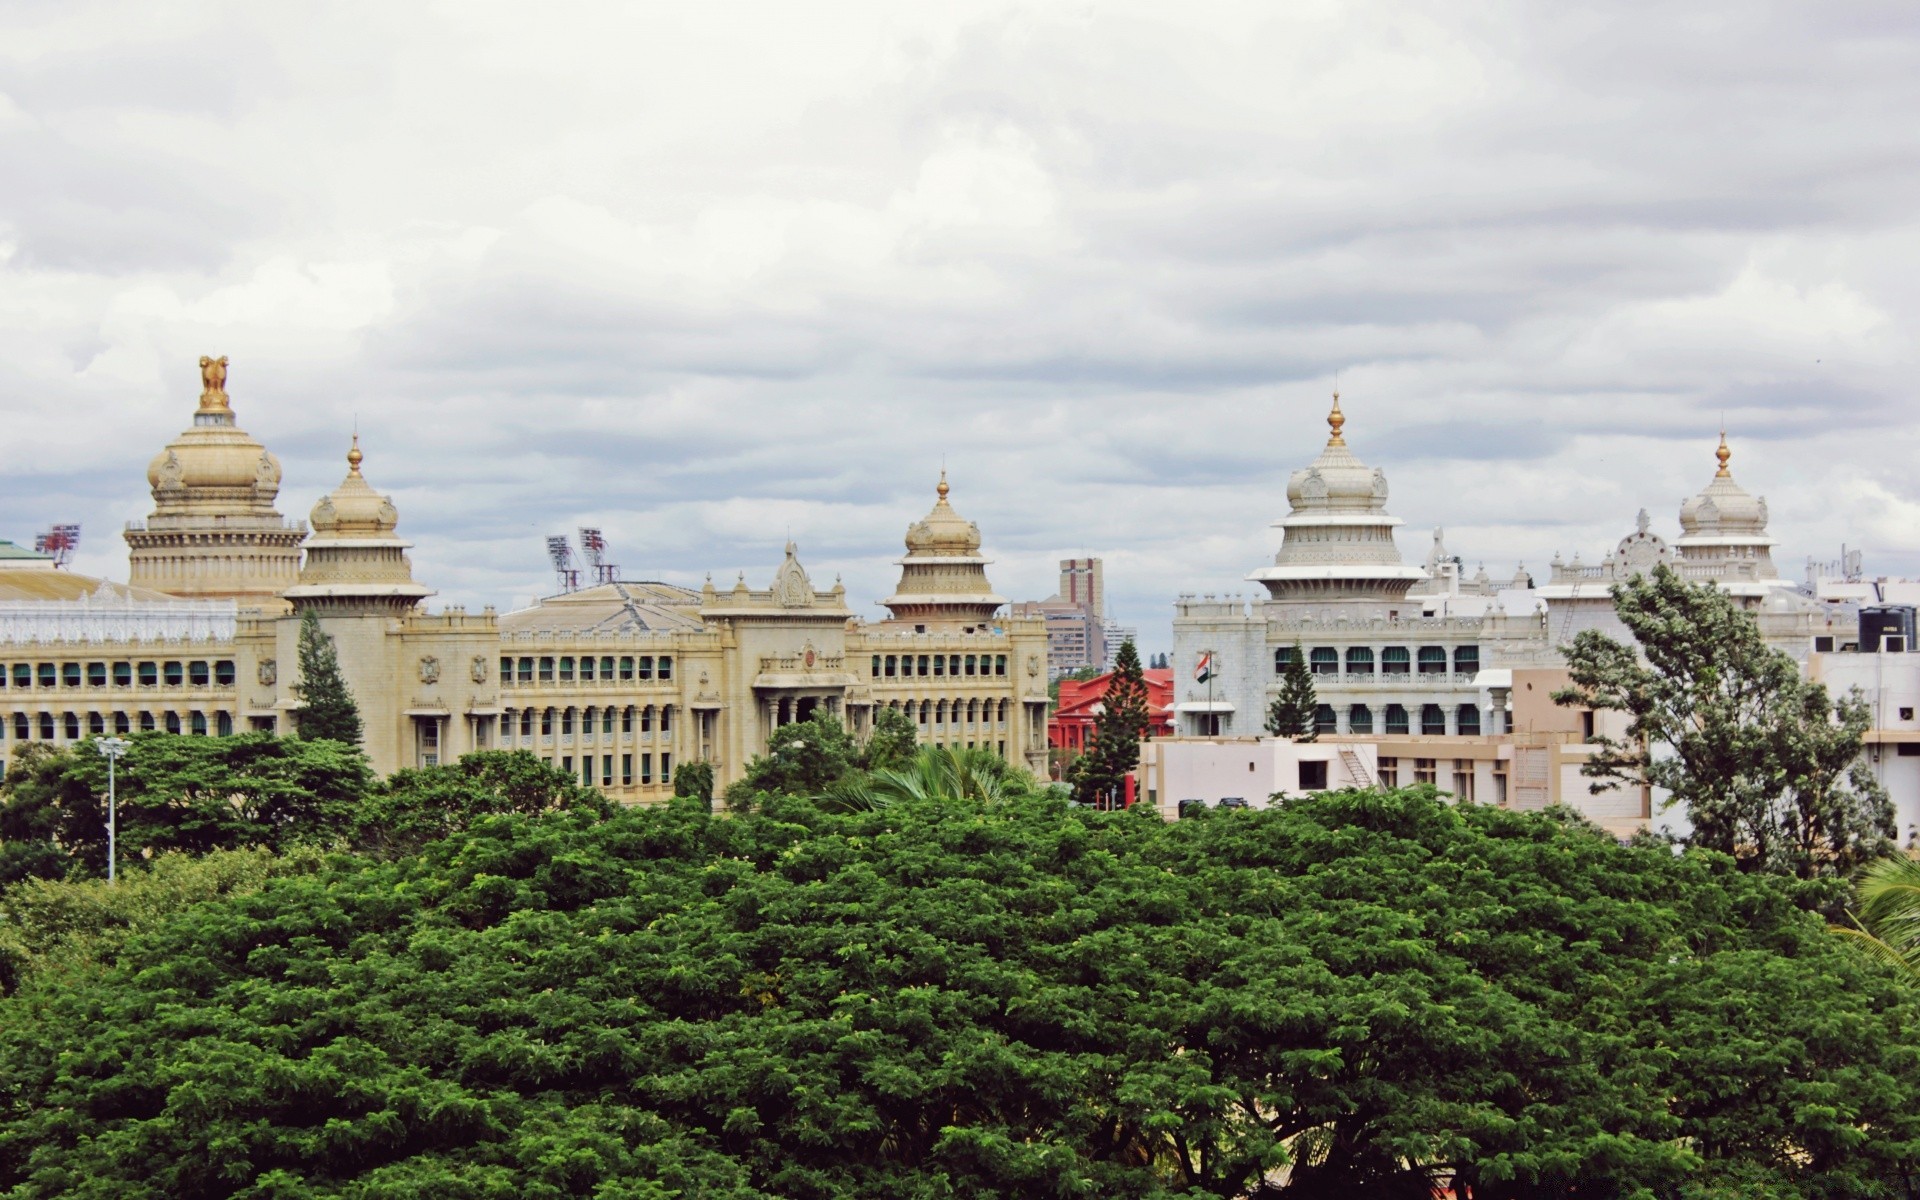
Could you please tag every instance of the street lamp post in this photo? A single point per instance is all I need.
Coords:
(111, 749)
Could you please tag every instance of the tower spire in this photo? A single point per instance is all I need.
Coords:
(1335, 420)
(354, 457)
(1723, 454)
(941, 491)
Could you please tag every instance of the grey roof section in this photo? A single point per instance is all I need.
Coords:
(610, 608)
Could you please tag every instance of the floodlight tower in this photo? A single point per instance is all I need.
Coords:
(60, 541)
(593, 545)
(561, 555)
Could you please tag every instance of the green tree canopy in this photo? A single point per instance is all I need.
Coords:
(1361, 993)
(694, 781)
(1766, 765)
(804, 758)
(891, 744)
(177, 793)
(326, 708)
(415, 806)
(1100, 774)
(1295, 712)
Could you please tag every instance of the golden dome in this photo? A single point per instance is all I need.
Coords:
(354, 509)
(1337, 481)
(943, 532)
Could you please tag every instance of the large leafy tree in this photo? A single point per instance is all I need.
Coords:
(804, 758)
(415, 806)
(1294, 713)
(1348, 994)
(1767, 766)
(327, 708)
(178, 793)
(1123, 723)
(933, 772)
(891, 744)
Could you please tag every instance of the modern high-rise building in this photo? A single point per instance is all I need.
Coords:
(1076, 633)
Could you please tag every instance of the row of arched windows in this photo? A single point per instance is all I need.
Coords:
(1394, 660)
(1396, 718)
(72, 726)
(972, 710)
(644, 719)
(926, 666)
(198, 672)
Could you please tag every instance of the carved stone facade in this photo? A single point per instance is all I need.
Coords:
(617, 684)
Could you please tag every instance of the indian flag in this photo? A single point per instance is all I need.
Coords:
(1203, 670)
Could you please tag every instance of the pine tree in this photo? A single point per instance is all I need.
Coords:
(1099, 778)
(1294, 713)
(327, 708)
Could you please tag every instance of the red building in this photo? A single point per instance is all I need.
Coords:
(1083, 700)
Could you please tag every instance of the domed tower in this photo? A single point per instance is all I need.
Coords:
(943, 578)
(213, 532)
(1723, 528)
(1337, 542)
(356, 564)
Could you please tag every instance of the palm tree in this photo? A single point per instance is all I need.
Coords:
(1888, 920)
(934, 772)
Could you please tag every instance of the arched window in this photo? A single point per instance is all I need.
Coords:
(1466, 660)
(173, 722)
(926, 712)
(1433, 660)
(1467, 719)
(1359, 660)
(1282, 657)
(1396, 719)
(1325, 720)
(666, 716)
(1433, 719)
(1394, 660)
(586, 718)
(1360, 719)
(1324, 660)
(940, 713)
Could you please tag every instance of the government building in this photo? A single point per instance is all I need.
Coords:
(616, 684)
(1445, 678)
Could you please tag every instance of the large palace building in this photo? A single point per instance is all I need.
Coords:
(616, 684)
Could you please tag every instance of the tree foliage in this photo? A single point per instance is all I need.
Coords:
(1294, 713)
(804, 758)
(326, 708)
(694, 781)
(415, 806)
(1886, 921)
(891, 744)
(1766, 765)
(933, 773)
(176, 794)
(1100, 774)
(1360, 993)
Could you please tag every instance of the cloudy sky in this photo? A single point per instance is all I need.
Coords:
(707, 275)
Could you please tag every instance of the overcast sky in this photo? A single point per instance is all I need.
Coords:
(707, 275)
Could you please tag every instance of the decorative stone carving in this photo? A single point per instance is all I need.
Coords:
(170, 472)
(269, 672)
(1313, 487)
(1379, 484)
(791, 587)
(266, 476)
(213, 375)
(429, 669)
(479, 668)
(1033, 664)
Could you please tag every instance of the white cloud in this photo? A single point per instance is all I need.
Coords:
(701, 274)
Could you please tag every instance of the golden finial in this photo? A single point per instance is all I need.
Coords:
(1335, 420)
(942, 489)
(213, 383)
(1723, 454)
(354, 456)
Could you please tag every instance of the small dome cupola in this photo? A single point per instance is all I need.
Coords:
(1337, 540)
(356, 563)
(943, 578)
(1723, 528)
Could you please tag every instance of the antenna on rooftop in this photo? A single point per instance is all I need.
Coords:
(60, 541)
(593, 547)
(561, 555)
